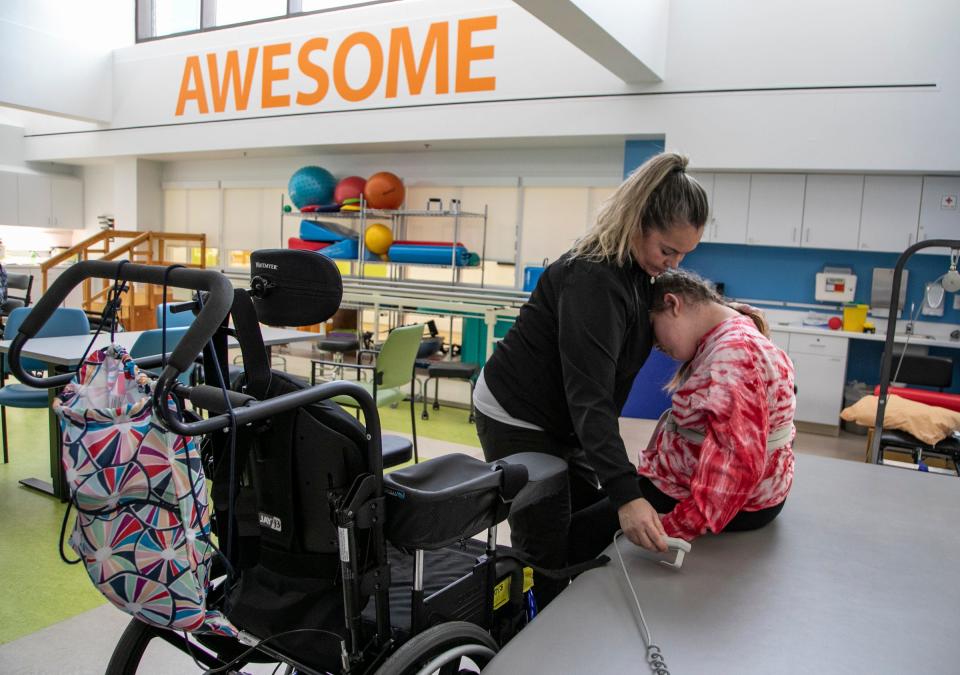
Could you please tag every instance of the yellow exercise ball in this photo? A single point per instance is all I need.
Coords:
(378, 238)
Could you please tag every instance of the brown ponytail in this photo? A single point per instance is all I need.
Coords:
(696, 290)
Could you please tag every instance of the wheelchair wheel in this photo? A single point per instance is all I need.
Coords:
(441, 649)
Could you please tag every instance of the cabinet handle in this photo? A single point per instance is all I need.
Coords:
(794, 236)
(806, 236)
(909, 238)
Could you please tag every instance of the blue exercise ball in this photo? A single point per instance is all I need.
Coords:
(311, 186)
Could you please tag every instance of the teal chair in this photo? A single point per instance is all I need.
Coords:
(178, 320)
(393, 370)
(150, 343)
(63, 322)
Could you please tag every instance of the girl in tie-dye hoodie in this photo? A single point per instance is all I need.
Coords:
(720, 458)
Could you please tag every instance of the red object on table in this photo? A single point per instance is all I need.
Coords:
(298, 243)
(937, 398)
(835, 323)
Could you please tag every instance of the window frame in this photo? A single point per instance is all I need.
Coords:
(145, 11)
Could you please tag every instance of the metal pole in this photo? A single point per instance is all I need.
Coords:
(887, 360)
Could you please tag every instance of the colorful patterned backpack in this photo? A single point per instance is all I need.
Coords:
(143, 525)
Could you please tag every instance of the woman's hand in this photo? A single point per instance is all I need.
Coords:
(641, 524)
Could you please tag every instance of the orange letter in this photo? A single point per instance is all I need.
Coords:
(437, 39)
(466, 53)
(271, 75)
(311, 69)
(369, 41)
(191, 72)
(231, 73)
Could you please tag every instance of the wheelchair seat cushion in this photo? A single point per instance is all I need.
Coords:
(436, 503)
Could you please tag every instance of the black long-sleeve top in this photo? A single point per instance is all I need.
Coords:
(568, 363)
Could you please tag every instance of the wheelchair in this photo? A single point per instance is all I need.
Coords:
(326, 564)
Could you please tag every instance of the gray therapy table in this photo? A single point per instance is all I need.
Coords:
(857, 575)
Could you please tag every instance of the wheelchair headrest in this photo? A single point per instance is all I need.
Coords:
(293, 287)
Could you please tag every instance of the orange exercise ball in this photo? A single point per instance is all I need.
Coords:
(384, 190)
(378, 238)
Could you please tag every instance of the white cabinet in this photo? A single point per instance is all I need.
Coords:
(820, 364)
(706, 182)
(8, 199)
(831, 211)
(891, 210)
(776, 209)
(33, 193)
(66, 202)
(939, 211)
(49, 201)
(780, 338)
(731, 203)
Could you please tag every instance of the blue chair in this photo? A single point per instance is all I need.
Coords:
(150, 343)
(178, 320)
(63, 322)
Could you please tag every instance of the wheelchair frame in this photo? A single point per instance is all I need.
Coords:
(468, 624)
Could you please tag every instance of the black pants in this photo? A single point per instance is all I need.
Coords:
(592, 529)
(541, 531)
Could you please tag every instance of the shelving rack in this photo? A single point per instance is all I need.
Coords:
(398, 225)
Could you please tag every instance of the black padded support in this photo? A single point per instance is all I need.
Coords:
(294, 288)
(924, 370)
(546, 476)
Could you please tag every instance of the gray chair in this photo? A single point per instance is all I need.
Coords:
(16, 282)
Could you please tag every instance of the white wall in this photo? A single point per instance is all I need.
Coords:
(749, 85)
(56, 57)
(98, 184)
(595, 164)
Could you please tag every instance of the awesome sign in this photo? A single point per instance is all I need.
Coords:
(361, 65)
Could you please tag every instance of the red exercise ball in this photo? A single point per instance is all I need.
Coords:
(384, 190)
(350, 187)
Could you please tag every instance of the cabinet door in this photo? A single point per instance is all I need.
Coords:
(33, 193)
(8, 198)
(66, 203)
(731, 203)
(776, 209)
(781, 338)
(831, 211)
(939, 211)
(706, 181)
(891, 210)
(819, 387)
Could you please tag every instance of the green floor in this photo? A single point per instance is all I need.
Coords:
(39, 589)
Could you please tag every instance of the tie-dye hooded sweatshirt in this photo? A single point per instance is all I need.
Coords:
(739, 389)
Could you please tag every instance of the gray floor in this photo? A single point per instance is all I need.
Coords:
(84, 643)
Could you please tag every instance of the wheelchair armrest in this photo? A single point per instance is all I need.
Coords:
(546, 476)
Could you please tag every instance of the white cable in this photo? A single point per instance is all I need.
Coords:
(654, 654)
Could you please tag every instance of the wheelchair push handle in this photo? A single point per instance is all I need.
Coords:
(215, 308)
(247, 409)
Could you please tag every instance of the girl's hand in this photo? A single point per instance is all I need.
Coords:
(641, 524)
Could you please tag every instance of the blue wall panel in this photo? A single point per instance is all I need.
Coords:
(789, 274)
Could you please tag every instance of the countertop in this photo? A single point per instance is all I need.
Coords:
(925, 333)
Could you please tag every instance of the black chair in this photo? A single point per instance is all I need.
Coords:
(933, 372)
(16, 282)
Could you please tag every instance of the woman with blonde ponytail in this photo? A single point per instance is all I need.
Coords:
(558, 380)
